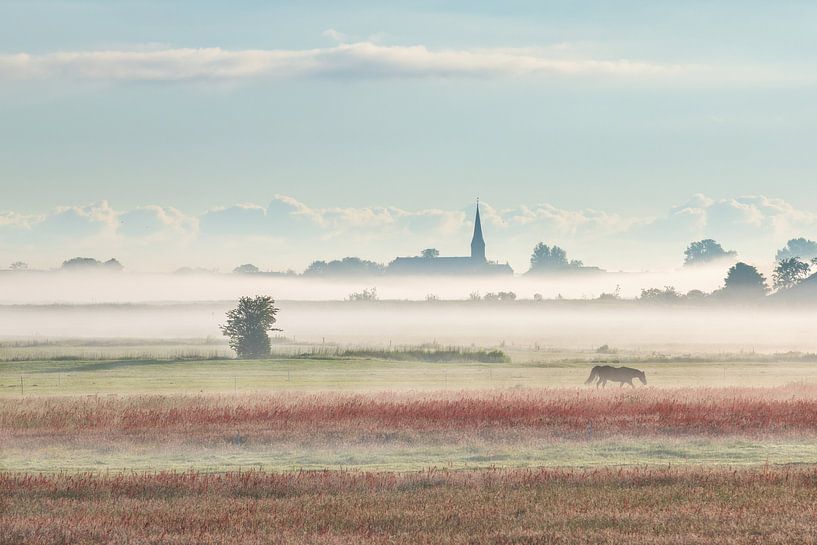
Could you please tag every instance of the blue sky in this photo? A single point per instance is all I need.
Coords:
(173, 111)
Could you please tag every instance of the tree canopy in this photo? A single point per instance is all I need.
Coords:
(429, 253)
(744, 281)
(80, 263)
(247, 268)
(790, 272)
(656, 295)
(348, 266)
(248, 326)
(802, 248)
(551, 258)
(89, 263)
(705, 251)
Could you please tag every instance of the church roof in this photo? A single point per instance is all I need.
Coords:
(477, 229)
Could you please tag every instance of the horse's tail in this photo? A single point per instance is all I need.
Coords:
(594, 374)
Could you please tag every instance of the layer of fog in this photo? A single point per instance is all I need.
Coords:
(67, 287)
(522, 325)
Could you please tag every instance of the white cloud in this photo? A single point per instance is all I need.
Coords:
(152, 222)
(333, 34)
(362, 59)
(78, 221)
(16, 220)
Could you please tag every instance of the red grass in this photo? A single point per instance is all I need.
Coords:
(633, 506)
(564, 413)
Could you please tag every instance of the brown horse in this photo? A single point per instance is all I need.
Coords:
(603, 373)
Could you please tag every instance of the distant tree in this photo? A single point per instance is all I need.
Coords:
(615, 295)
(504, 296)
(474, 296)
(348, 266)
(19, 266)
(430, 253)
(507, 296)
(365, 295)
(78, 263)
(790, 272)
(656, 295)
(695, 295)
(112, 265)
(802, 248)
(744, 281)
(316, 268)
(538, 297)
(605, 349)
(706, 251)
(551, 258)
(248, 326)
(247, 268)
(558, 256)
(431, 298)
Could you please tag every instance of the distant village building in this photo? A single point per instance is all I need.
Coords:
(476, 263)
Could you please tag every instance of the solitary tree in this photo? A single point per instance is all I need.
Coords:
(789, 272)
(248, 325)
(744, 280)
(429, 253)
(705, 251)
(19, 266)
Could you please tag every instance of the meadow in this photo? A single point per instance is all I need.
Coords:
(347, 444)
(533, 506)
(411, 429)
(299, 368)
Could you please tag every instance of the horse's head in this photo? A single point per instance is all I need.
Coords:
(642, 377)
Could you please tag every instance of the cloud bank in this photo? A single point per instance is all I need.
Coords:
(288, 233)
(361, 59)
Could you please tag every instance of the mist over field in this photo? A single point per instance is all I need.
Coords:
(84, 287)
(66, 305)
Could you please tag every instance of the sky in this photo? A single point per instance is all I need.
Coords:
(172, 133)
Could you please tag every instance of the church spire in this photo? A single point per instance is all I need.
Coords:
(477, 242)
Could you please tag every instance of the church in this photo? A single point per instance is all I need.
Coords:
(475, 264)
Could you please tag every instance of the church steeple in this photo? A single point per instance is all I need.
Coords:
(477, 242)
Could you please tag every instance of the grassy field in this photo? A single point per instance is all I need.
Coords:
(634, 506)
(135, 376)
(411, 430)
(365, 450)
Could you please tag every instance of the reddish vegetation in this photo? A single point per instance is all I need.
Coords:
(563, 413)
(634, 506)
